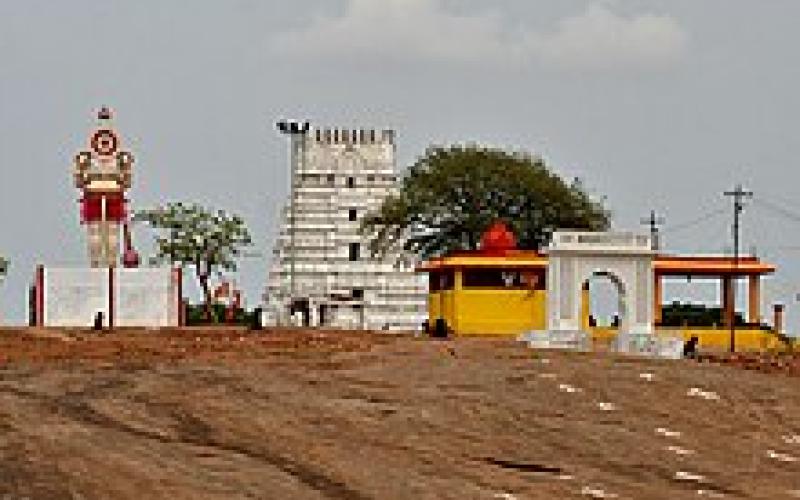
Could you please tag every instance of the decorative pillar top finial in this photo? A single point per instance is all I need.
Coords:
(104, 113)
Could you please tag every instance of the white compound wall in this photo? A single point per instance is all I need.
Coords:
(72, 297)
(145, 297)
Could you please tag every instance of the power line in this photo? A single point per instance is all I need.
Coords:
(787, 248)
(777, 209)
(782, 201)
(692, 222)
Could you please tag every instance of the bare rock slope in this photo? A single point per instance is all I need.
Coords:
(335, 415)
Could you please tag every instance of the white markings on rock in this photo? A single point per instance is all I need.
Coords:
(596, 493)
(689, 476)
(568, 388)
(793, 439)
(505, 496)
(606, 406)
(781, 457)
(710, 493)
(709, 395)
(668, 433)
(547, 375)
(679, 451)
(647, 376)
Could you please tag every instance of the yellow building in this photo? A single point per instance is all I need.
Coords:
(488, 294)
(502, 291)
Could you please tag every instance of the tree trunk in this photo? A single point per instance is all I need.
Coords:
(202, 275)
(206, 295)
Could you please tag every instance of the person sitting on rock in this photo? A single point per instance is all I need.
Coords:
(690, 347)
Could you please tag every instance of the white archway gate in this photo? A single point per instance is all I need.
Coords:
(574, 257)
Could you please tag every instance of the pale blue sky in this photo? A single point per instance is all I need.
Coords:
(655, 104)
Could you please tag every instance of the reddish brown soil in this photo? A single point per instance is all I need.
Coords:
(783, 363)
(293, 414)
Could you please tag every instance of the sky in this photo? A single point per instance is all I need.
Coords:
(658, 105)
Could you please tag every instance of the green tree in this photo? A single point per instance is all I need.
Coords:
(452, 194)
(191, 235)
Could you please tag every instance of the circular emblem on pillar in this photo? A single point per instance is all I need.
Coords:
(104, 142)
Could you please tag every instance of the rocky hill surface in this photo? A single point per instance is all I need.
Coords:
(333, 415)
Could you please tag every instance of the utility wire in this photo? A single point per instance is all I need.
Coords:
(781, 201)
(786, 248)
(784, 213)
(758, 202)
(674, 228)
(775, 208)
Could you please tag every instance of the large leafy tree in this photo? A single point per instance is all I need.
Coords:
(191, 235)
(452, 194)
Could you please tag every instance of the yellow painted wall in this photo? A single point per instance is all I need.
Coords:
(441, 303)
(434, 301)
(603, 333)
(499, 312)
(747, 339)
(489, 311)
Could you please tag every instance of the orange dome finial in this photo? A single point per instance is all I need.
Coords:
(498, 238)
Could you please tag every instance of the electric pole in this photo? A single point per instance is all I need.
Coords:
(738, 195)
(653, 221)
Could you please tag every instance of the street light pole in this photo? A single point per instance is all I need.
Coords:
(297, 132)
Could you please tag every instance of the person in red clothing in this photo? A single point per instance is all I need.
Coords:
(103, 174)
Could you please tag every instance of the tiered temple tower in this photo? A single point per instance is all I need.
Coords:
(322, 272)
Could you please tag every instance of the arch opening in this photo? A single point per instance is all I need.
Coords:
(603, 303)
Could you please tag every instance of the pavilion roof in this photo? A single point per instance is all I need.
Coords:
(709, 265)
(506, 258)
(664, 265)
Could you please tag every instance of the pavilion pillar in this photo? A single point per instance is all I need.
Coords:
(657, 298)
(585, 306)
(728, 307)
(754, 299)
(458, 284)
(777, 321)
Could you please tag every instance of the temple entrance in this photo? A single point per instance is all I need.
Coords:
(576, 259)
(302, 307)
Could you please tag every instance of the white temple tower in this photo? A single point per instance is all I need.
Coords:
(324, 264)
